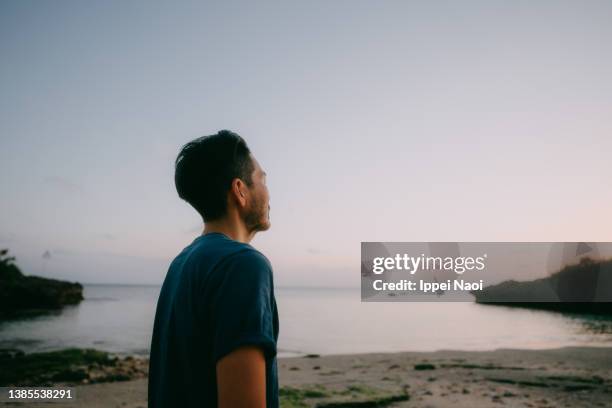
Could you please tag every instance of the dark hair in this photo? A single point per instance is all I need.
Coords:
(205, 168)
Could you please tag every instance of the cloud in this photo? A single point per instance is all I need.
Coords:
(67, 252)
(7, 237)
(108, 236)
(64, 185)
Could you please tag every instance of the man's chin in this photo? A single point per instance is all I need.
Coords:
(265, 226)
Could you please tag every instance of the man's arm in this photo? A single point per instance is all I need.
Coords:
(241, 379)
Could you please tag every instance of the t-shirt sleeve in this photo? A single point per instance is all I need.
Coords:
(242, 306)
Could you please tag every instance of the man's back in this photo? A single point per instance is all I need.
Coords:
(218, 295)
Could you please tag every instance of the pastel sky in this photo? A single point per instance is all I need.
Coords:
(375, 121)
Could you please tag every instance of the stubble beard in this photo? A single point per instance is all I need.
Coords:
(255, 220)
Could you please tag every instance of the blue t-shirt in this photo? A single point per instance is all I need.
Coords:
(218, 295)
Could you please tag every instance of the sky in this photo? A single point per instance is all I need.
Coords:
(375, 121)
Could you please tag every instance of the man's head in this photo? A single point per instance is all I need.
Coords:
(219, 176)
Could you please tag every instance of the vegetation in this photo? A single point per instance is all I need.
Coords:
(355, 395)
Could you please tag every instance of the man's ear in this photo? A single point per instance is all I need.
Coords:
(238, 190)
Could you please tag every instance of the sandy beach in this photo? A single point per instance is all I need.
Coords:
(567, 377)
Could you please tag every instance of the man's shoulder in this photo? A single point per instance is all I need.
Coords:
(249, 255)
(249, 264)
(243, 273)
(226, 253)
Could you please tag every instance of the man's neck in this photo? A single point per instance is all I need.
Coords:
(232, 228)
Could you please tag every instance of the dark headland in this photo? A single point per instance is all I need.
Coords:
(21, 294)
(585, 287)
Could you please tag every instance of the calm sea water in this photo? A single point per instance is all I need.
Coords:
(324, 321)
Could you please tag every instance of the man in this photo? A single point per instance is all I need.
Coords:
(216, 324)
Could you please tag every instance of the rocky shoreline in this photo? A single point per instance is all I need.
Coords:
(69, 366)
(567, 377)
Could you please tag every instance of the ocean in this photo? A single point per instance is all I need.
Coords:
(119, 319)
